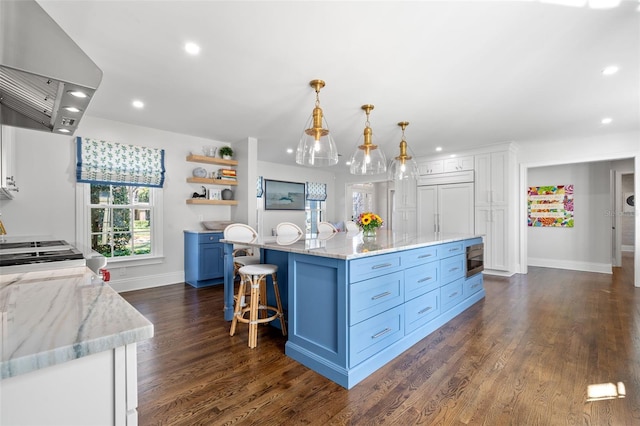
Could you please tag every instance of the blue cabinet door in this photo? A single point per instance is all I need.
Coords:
(210, 261)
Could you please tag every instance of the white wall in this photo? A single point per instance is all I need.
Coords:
(556, 151)
(271, 218)
(45, 205)
(586, 246)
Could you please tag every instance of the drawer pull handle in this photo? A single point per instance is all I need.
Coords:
(454, 249)
(381, 295)
(425, 255)
(453, 269)
(382, 265)
(453, 295)
(425, 310)
(475, 285)
(425, 279)
(381, 333)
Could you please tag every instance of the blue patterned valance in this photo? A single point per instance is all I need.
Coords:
(118, 164)
(316, 191)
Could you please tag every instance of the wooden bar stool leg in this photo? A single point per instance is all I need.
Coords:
(262, 313)
(253, 312)
(276, 290)
(238, 306)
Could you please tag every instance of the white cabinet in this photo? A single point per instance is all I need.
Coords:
(492, 208)
(404, 206)
(458, 164)
(431, 167)
(8, 186)
(446, 208)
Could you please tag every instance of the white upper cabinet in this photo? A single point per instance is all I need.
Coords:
(458, 164)
(431, 167)
(491, 178)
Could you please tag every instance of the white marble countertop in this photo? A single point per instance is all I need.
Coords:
(352, 245)
(53, 316)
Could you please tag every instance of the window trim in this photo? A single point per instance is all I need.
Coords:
(83, 214)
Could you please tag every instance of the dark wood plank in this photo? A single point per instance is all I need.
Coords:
(524, 355)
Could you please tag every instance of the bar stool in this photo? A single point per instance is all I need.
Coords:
(255, 276)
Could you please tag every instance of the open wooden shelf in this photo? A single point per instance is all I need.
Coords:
(210, 181)
(213, 202)
(211, 160)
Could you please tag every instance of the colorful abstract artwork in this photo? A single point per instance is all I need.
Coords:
(550, 206)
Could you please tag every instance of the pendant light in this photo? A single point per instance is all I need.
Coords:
(403, 166)
(368, 159)
(316, 147)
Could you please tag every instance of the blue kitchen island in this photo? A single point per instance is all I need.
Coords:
(354, 304)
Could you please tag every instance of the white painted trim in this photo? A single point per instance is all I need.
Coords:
(604, 268)
(628, 248)
(147, 281)
(498, 273)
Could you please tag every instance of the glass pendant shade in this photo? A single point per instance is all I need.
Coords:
(368, 159)
(316, 147)
(403, 166)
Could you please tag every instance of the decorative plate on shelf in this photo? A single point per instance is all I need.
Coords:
(199, 172)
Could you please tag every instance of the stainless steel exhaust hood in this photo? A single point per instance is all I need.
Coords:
(46, 80)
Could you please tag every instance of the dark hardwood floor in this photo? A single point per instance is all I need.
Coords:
(522, 356)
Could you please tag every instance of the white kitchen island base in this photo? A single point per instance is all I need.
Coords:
(99, 389)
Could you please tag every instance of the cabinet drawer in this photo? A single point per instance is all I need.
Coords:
(420, 256)
(451, 294)
(472, 285)
(375, 334)
(369, 267)
(421, 310)
(452, 268)
(421, 279)
(370, 297)
(452, 249)
(210, 237)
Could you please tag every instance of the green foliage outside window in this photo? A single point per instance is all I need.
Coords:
(120, 220)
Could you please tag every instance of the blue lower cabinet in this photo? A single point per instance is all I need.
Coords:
(203, 258)
(472, 285)
(375, 334)
(373, 296)
(421, 279)
(451, 294)
(421, 310)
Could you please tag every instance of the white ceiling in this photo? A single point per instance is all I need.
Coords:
(463, 74)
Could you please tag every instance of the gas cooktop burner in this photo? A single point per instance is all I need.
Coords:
(30, 252)
(34, 244)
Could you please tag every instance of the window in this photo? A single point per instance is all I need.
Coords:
(314, 212)
(121, 222)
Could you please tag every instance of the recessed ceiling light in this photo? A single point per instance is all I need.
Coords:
(289, 151)
(64, 130)
(138, 104)
(192, 48)
(610, 70)
(347, 163)
(78, 94)
(438, 148)
(606, 120)
(72, 109)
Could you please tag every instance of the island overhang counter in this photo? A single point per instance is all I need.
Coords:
(353, 304)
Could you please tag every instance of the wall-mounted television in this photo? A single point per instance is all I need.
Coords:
(281, 195)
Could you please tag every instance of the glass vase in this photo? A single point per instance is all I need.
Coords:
(369, 233)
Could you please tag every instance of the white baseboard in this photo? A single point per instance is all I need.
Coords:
(574, 265)
(628, 248)
(148, 281)
(498, 273)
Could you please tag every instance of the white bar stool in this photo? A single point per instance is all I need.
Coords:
(255, 276)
